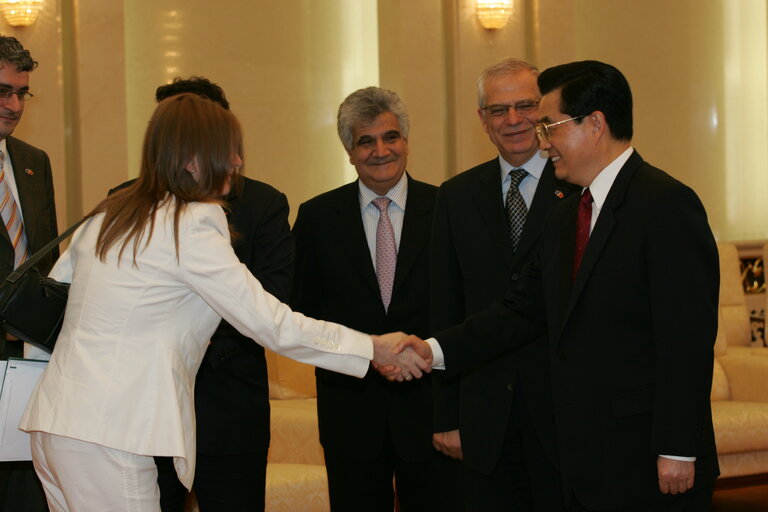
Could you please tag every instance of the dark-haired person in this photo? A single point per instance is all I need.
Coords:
(152, 273)
(232, 390)
(29, 222)
(626, 286)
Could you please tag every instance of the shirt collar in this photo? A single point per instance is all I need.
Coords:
(534, 166)
(603, 182)
(398, 194)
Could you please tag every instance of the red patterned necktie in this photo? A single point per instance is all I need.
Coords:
(386, 251)
(583, 221)
(9, 211)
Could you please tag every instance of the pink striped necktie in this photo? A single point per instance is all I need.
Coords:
(386, 251)
(11, 215)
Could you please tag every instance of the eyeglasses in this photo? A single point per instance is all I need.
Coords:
(7, 92)
(521, 107)
(544, 130)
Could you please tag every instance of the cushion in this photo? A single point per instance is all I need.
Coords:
(289, 378)
(740, 426)
(720, 390)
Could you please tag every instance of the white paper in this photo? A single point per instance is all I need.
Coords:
(21, 376)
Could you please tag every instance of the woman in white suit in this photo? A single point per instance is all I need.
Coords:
(152, 273)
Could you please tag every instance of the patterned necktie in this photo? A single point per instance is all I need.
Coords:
(515, 206)
(583, 222)
(12, 218)
(386, 251)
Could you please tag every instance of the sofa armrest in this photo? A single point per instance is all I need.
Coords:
(747, 376)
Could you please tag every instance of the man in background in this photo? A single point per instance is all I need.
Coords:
(232, 390)
(29, 222)
(626, 285)
(488, 220)
(362, 253)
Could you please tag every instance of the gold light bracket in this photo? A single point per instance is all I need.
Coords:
(493, 14)
(21, 13)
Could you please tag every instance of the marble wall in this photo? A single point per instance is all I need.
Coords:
(697, 68)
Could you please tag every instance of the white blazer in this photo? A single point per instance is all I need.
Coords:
(133, 337)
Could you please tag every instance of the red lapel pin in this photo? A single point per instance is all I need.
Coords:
(559, 194)
(29, 171)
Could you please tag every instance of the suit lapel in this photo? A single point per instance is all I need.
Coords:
(415, 234)
(352, 235)
(604, 226)
(487, 197)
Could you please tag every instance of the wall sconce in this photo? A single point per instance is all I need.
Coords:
(493, 14)
(20, 13)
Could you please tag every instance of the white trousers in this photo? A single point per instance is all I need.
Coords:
(84, 477)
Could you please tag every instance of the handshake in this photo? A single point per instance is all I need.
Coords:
(400, 357)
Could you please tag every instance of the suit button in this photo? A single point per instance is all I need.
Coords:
(514, 277)
(510, 387)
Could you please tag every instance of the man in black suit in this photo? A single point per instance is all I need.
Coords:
(497, 418)
(231, 390)
(370, 429)
(626, 285)
(27, 173)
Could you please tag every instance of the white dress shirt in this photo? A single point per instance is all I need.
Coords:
(534, 167)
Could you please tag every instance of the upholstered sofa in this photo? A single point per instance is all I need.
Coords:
(740, 380)
(296, 479)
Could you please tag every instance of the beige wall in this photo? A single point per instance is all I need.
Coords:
(697, 68)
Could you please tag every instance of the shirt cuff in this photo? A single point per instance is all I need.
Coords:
(438, 359)
(676, 457)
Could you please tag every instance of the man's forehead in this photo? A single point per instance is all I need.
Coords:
(519, 79)
(550, 104)
(385, 122)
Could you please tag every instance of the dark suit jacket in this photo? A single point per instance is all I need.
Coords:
(19, 487)
(232, 389)
(631, 340)
(335, 280)
(472, 265)
(34, 182)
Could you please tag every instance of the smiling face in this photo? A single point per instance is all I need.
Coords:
(571, 145)
(513, 134)
(379, 153)
(11, 108)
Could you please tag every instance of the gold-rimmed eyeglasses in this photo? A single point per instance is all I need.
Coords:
(544, 130)
(521, 107)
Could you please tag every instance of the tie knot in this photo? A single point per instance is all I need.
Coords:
(382, 203)
(586, 196)
(517, 176)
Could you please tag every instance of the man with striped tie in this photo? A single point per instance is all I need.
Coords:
(29, 222)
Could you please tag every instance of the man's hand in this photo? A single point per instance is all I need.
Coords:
(675, 476)
(449, 443)
(396, 362)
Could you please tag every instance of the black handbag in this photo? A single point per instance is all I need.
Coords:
(32, 305)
